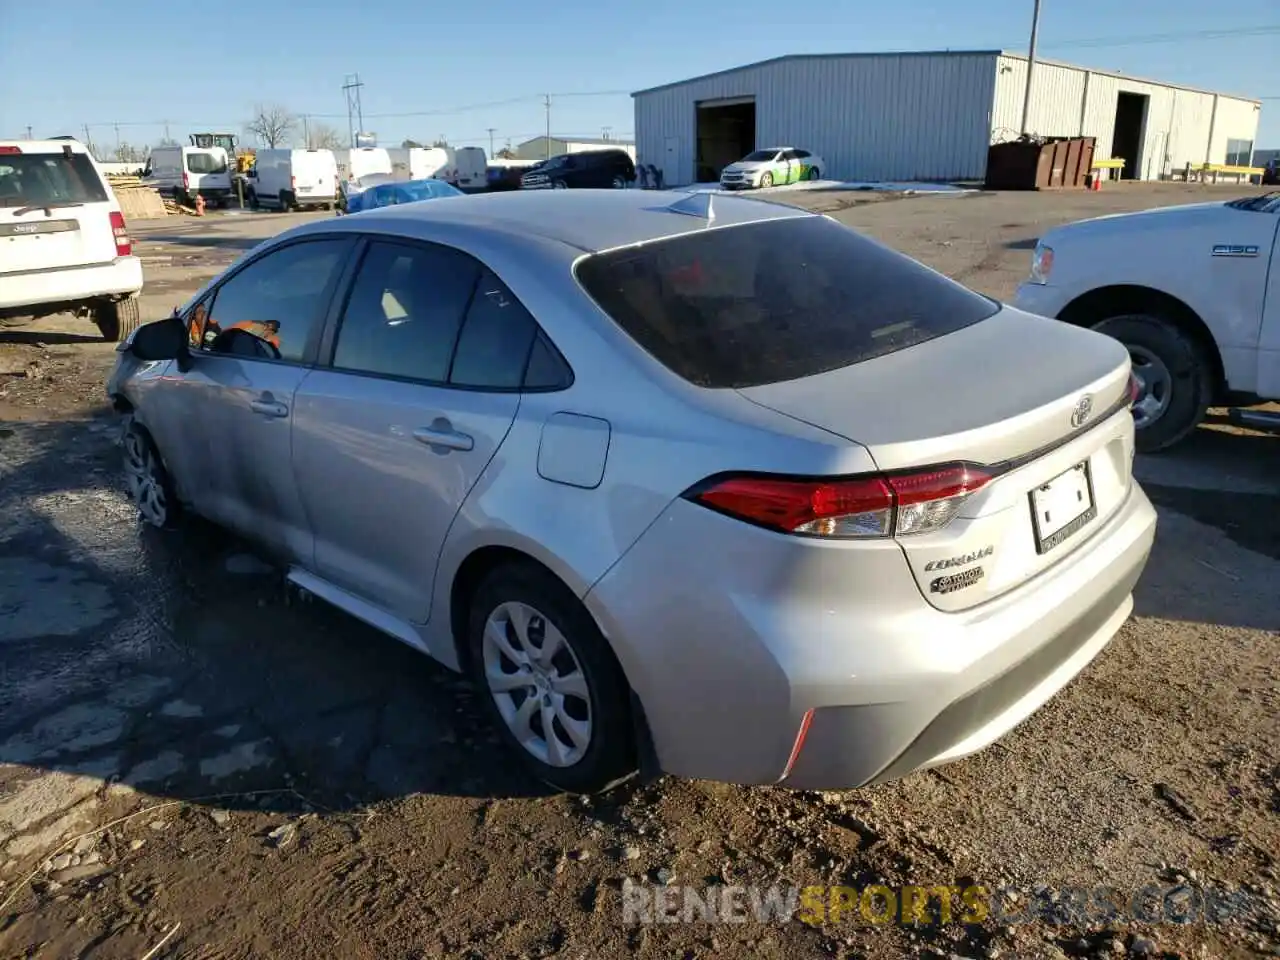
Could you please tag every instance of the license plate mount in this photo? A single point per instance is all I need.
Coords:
(1063, 507)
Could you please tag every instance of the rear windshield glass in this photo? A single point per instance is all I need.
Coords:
(748, 305)
(31, 179)
(206, 163)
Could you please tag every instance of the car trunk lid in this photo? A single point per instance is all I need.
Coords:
(1034, 401)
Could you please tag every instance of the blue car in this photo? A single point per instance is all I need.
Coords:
(410, 191)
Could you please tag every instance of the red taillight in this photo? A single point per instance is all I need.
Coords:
(293, 181)
(10, 150)
(876, 506)
(124, 246)
(186, 182)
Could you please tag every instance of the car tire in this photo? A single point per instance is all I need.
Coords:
(512, 613)
(619, 183)
(147, 480)
(559, 185)
(814, 174)
(1175, 376)
(117, 319)
(286, 202)
(252, 200)
(766, 180)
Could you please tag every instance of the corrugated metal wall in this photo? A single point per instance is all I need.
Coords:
(870, 117)
(1072, 101)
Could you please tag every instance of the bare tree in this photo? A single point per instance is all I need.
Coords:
(506, 153)
(410, 143)
(127, 153)
(321, 136)
(442, 142)
(272, 125)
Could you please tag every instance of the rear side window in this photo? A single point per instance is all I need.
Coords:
(493, 348)
(766, 302)
(32, 179)
(405, 310)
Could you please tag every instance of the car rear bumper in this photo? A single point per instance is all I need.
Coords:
(70, 285)
(732, 636)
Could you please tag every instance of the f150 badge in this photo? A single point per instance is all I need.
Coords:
(1235, 250)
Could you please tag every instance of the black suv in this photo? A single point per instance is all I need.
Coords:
(594, 168)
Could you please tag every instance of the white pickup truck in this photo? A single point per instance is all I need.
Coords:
(1193, 292)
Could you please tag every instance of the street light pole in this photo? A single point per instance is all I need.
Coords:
(1031, 66)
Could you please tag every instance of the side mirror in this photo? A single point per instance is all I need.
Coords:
(162, 340)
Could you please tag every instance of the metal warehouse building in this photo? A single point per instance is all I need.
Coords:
(930, 116)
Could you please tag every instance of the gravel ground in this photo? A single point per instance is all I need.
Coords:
(194, 758)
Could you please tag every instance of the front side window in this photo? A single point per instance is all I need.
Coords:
(279, 299)
(405, 310)
(765, 302)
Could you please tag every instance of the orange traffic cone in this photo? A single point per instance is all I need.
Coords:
(199, 205)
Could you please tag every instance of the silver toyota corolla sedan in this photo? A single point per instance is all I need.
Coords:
(687, 483)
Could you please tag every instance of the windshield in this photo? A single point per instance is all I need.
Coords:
(206, 163)
(34, 179)
(766, 302)
(759, 156)
(554, 162)
(1263, 203)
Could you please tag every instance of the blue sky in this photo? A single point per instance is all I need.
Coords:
(145, 61)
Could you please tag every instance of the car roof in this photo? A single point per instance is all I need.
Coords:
(45, 146)
(588, 220)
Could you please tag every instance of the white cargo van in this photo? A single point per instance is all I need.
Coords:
(420, 163)
(293, 179)
(357, 162)
(64, 246)
(185, 172)
(471, 169)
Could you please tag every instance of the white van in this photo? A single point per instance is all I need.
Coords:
(420, 163)
(357, 162)
(65, 245)
(471, 168)
(293, 179)
(185, 172)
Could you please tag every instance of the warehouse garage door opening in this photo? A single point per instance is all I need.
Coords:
(726, 133)
(1131, 122)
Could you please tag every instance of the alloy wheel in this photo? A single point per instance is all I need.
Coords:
(538, 684)
(145, 479)
(1155, 386)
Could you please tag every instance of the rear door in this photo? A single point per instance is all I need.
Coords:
(55, 210)
(427, 361)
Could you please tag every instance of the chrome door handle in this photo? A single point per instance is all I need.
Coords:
(269, 408)
(450, 439)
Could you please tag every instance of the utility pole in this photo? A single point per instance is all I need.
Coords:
(355, 113)
(1031, 66)
(546, 102)
(306, 132)
(88, 141)
(604, 132)
(166, 131)
(117, 126)
(491, 131)
(29, 136)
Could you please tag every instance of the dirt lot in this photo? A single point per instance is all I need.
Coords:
(190, 758)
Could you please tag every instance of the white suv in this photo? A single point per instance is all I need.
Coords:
(64, 246)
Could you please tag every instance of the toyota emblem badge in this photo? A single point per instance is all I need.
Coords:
(1084, 407)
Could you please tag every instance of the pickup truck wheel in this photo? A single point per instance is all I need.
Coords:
(1175, 381)
(118, 319)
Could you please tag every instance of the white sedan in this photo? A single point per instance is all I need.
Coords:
(772, 167)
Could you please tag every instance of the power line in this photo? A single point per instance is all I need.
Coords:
(1143, 39)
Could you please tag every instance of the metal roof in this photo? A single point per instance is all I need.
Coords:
(937, 53)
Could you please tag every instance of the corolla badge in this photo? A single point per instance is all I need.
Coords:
(1083, 410)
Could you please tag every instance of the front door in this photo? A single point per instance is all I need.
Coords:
(385, 449)
(254, 342)
(1269, 341)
